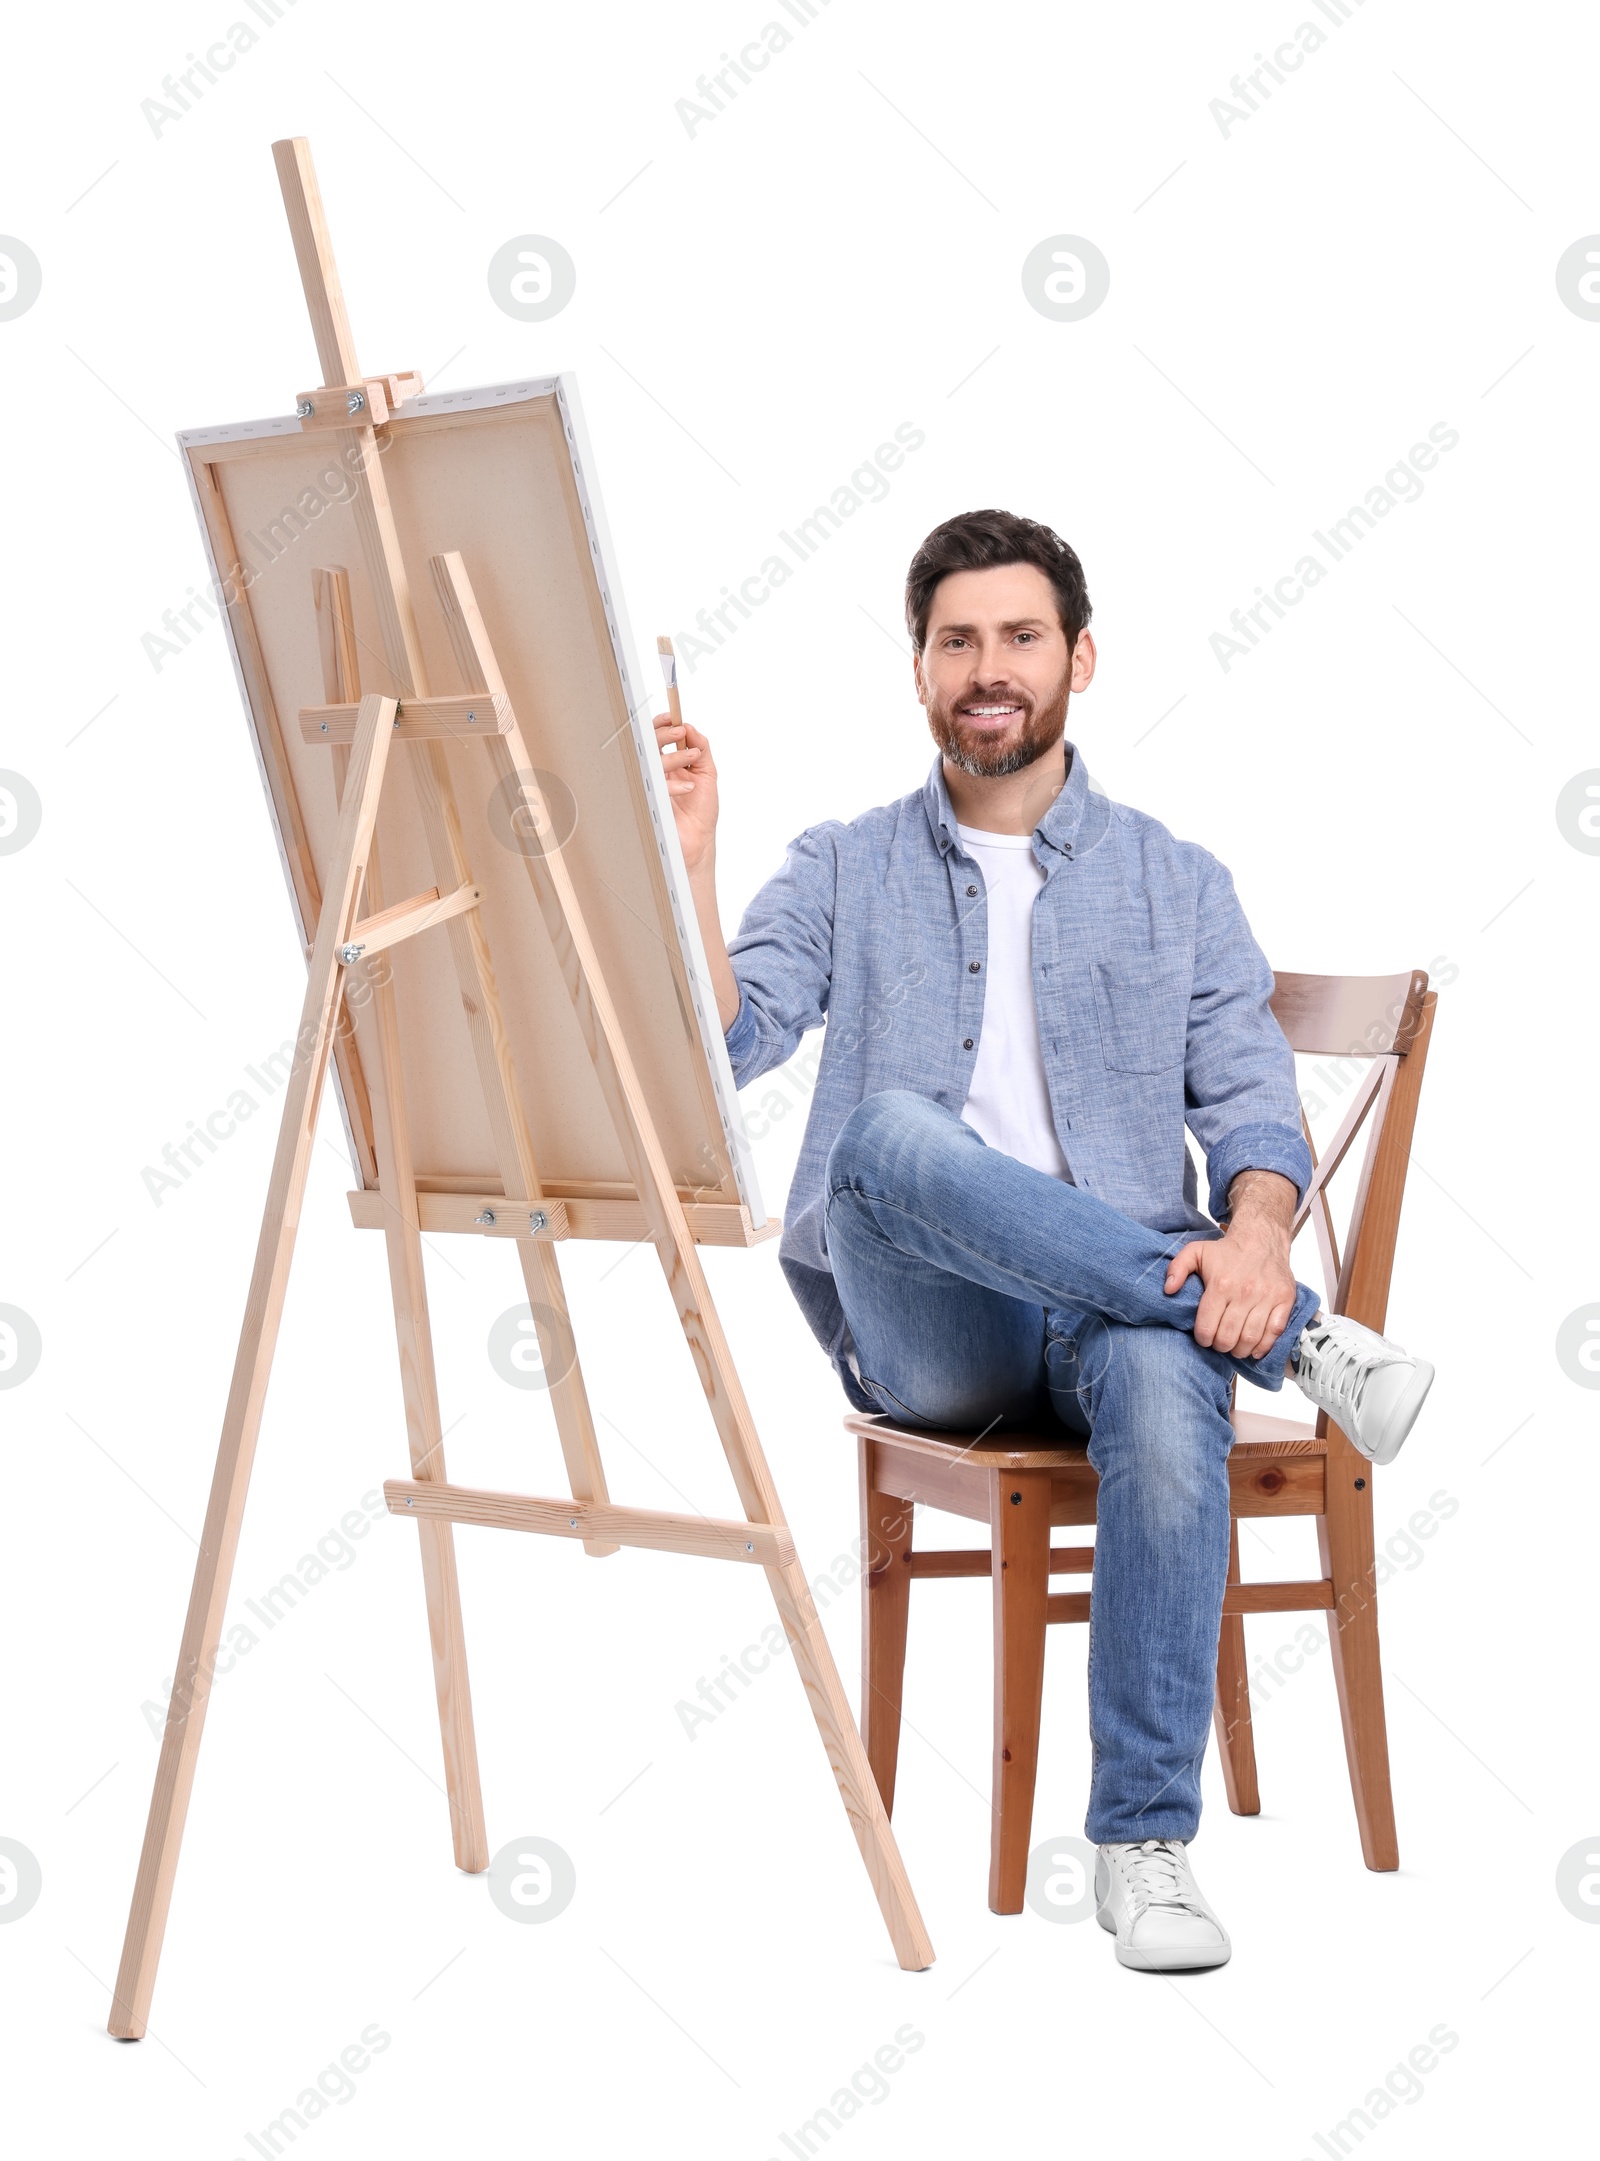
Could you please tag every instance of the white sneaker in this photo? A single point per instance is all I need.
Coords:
(1147, 1897)
(1369, 1387)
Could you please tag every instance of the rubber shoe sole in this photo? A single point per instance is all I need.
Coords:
(1403, 1417)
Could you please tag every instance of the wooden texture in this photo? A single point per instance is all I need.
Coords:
(1266, 1477)
(1375, 1212)
(1345, 1541)
(1310, 1594)
(596, 1522)
(419, 1390)
(973, 1561)
(587, 1215)
(418, 720)
(180, 1740)
(405, 918)
(313, 251)
(1370, 1089)
(1067, 1606)
(1276, 1467)
(1236, 1744)
(1349, 1016)
(1019, 1519)
(1258, 1436)
(1288, 1485)
(397, 388)
(331, 405)
(300, 861)
(669, 661)
(887, 1562)
(1010, 1450)
(336, 640)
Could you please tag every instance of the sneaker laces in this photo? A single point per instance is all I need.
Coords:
(1341, 1363)
(1158, 1876)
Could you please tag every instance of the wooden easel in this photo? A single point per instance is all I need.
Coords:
(353, 925)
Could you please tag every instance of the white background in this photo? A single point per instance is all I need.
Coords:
(1292, 305)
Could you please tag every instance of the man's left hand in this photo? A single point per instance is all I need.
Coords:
(1249, 1286)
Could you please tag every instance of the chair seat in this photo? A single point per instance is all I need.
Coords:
(1013, 1450)
(1255, 1435)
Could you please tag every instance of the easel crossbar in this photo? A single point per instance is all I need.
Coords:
(404, 919)
(583, 1215)
(417, 720)
(767, 1545)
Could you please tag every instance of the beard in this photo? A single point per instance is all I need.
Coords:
(986, 756)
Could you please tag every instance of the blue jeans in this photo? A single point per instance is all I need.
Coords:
(979, 1292)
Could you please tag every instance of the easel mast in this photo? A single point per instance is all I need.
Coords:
(369, 725)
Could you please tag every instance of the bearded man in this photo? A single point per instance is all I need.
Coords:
(1029, 993)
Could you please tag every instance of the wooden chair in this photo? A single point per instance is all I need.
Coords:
(1024, 1484)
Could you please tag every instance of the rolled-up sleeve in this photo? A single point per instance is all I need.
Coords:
(1242, 1103)
(782, 957)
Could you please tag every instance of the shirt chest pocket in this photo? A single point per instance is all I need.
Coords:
(1142, 1007)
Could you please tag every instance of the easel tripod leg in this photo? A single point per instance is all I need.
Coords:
(180, 1740)
(846, 1752)
(420, 1389)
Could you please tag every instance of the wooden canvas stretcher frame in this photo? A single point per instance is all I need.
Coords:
(357, 732)
(233, 472)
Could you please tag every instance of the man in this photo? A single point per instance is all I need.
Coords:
(1029, 992)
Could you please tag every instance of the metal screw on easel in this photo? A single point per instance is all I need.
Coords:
(486, 1219)
(538, 1220)
(304, 409)
(350, 954)
(356, 402)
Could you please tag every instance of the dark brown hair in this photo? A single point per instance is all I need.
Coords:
(986, 540)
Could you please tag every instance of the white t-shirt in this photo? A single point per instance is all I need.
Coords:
(1008, 1101)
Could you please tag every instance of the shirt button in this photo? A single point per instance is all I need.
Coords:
(973, 966)
(972, 892)
(967, 1045)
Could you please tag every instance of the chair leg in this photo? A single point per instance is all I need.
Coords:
(1236, 1743)
(1344, 1540)
(1019, 1522)
(886, 1527)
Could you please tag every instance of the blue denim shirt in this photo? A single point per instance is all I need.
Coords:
(1151, 997)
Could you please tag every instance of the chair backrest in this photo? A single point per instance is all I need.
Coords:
(1386, 1020)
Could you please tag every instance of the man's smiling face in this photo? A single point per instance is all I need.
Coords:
(995, 673)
